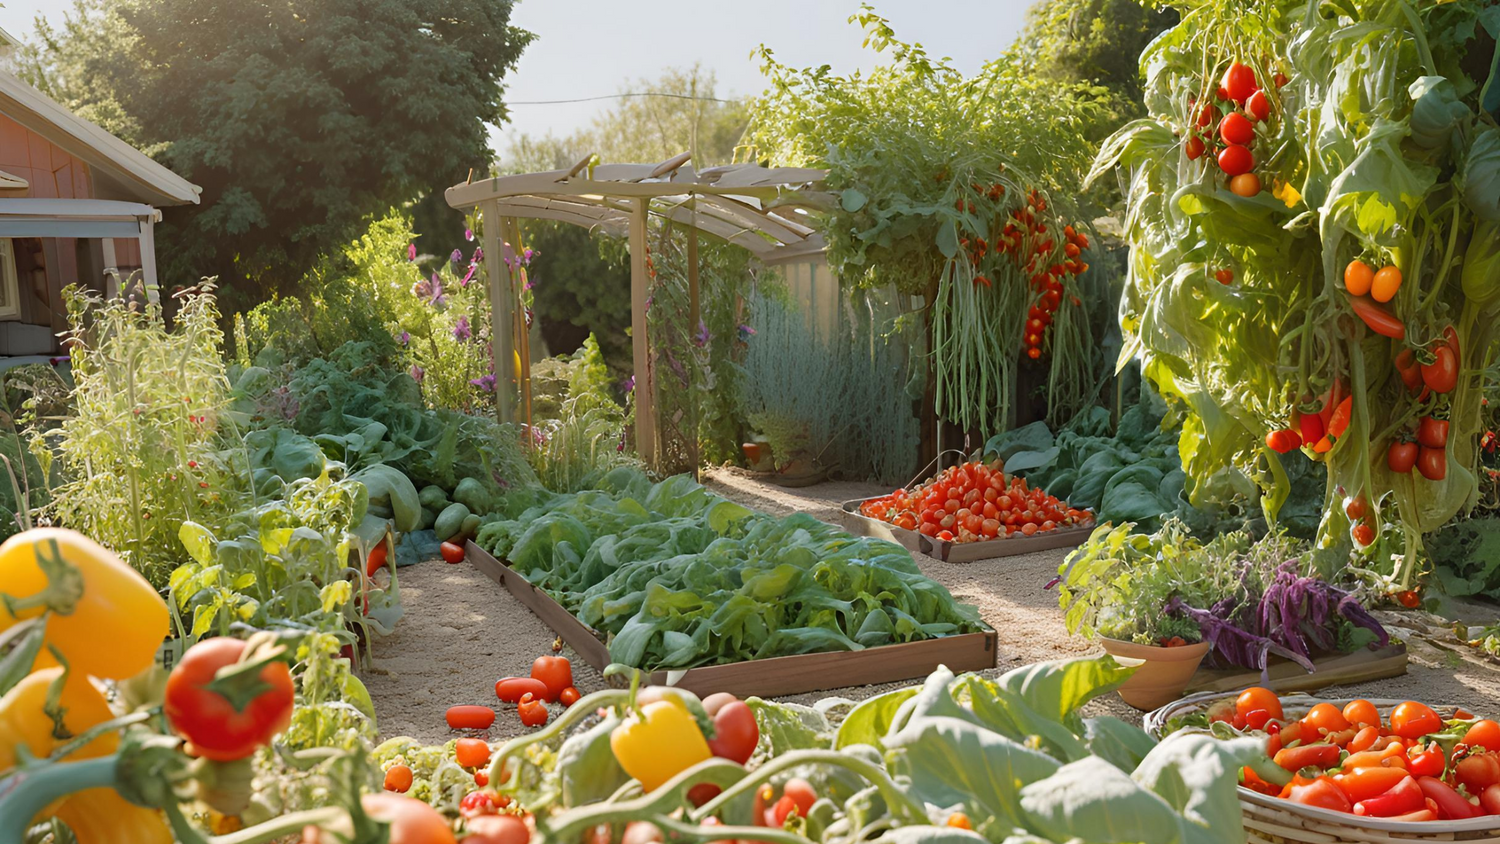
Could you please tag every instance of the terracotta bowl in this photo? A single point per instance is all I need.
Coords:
(1163, 674)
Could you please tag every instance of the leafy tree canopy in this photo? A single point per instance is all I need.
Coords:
(1096, 41)
(301, 119)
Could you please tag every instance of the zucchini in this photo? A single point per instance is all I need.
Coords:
(450, 521)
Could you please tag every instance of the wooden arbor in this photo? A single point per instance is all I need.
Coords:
(760, 209)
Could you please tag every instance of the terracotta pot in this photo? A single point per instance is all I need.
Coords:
(1163, 674)
(752, 452)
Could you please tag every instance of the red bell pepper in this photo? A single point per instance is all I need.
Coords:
(1405, 796)
(1451, 806)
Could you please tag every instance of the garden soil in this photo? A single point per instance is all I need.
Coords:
(461, 631)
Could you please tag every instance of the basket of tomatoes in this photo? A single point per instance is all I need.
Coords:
(974, 511)
(1354, 771)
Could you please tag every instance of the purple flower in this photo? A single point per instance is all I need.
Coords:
(438, 296)
(527, 254)
(478, 254)
(630, 384)
(468, 276)
(405, 338)
(702, 337)
(746, 332)
(649, 300)
(461, 331)
(469, 235)
(411, 252)
(456, 258)
(418, 373)
(484, 382)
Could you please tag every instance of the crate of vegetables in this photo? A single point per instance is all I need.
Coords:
(1353, 771)
(972, 511)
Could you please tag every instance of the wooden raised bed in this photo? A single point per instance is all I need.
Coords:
(1362, 666)
(960, 552)
(782, 675)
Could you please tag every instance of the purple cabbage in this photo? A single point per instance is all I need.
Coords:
(1294, 618)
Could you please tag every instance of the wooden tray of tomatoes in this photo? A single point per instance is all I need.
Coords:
(969, 512)
(1355, 770)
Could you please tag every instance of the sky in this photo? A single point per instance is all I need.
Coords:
(589, 48)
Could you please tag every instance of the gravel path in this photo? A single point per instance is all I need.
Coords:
(462, 631)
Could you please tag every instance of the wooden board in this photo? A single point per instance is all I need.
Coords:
(1362, 666)
(782, 675)
(959, 552)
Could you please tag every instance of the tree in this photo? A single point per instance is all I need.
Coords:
(1095, 41)
(300, 119)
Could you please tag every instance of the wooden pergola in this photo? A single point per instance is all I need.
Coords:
(763, 210)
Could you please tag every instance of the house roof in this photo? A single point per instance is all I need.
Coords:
(120, 170)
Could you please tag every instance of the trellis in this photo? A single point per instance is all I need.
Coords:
(760, 209)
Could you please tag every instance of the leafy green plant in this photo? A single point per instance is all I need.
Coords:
(677, 576)
(141, 451)
(956, 759)
(788, 438)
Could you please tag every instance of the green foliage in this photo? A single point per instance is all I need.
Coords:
(140, 452)
(299, 121)
(679, 577)
(1094, 41)
(1466, 557)
(1343, 184)
(584, 440)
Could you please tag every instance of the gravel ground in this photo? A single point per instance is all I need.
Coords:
(462, 631)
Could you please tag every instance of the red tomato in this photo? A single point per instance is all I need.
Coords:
(398, 778)
(1235, 160)
(784, 808)
(472, 753)
(477, 803)
(533, 712)
(1363, 783)
(1433, 463)
(215, 726)
(1441, 376)
(802, 794)
(1236, 128)
(1283, 441)
(510, 689)
(1414, 720)
(495, 829)
(1257, 698)
(1194, 148)
(1356, 508)
(554, 672)
(1402, 457)
(1477, 771)
(1490, 799)
(569, 696)
(1259, 106)
(452, 552)
(735, 732)
(1485, 733)
(411, 821)
(1239, 82)
(1362, 534)
(1224, 276)
(376, 561)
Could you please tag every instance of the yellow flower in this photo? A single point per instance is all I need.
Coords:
(1285, 192)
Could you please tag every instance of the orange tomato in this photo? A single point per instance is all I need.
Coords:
(1412, 720)
(1364, 739)
(1361, 713)
(1385, 284)
(1325, 718)
(1258, 698)
(1357, 277)
(1363, 783)
(1484, 734)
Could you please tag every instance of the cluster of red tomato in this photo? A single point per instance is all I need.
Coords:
(971, 502)
(1236, 129)
(1027, 237)
(1349, 759)
(1434, 373)
(1316, 429)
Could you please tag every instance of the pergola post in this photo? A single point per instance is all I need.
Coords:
(640, 285)
(694, 317)
(502, 325)
(523, 332)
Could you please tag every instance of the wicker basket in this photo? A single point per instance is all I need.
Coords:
(1271, 820)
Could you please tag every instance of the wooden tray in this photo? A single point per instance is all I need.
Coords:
(1362, 666)
(781, 675)
(960, 552)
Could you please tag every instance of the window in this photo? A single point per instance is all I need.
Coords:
(10, 297)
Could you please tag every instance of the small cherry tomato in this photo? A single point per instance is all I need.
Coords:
(398, 778)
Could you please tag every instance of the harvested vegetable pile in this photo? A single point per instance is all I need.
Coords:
(677, 577)
(973, 502)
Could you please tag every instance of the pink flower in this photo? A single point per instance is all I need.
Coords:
(418, 373)
(411, 252)
(461, 330)
(469, 235)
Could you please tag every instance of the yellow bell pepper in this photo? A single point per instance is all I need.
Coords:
(102, 816)
(22, 719)
(659, 742)
(115, 620)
